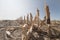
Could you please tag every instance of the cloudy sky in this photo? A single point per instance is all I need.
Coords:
(13, 9)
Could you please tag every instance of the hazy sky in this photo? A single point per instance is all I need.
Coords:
(13, 9)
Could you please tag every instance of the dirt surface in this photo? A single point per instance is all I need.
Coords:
(16, 34)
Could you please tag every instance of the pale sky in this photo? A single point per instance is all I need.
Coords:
(13, 9)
